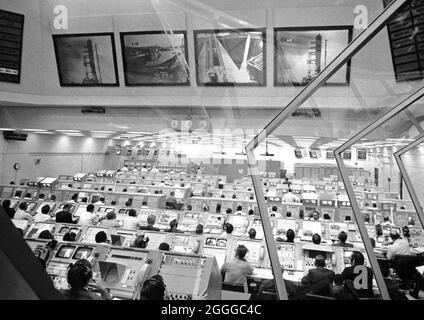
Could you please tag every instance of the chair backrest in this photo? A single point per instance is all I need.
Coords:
(384, 266)
(233, 287)
(266, 295)
(404, 265)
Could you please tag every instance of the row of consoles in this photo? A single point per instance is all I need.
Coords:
(189, 268)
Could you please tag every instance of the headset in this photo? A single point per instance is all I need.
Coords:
(87, 273)
(156, 282)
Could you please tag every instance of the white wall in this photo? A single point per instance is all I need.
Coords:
(43, 155)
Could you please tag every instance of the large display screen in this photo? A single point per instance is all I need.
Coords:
(230, 57)
(65, 252)
(83, 253)
(11, 35)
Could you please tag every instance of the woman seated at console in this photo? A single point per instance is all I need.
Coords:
(82, 285)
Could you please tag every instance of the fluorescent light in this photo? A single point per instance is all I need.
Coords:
(6, 129)
(34, 130)
(45, 132)
(105, 132)
(69, 131)
(74, 134)
(139, 132)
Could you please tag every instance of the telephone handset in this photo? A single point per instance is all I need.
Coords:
(261, 253)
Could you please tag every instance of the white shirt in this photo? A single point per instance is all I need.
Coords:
(41, 217)
(154, 170)
(86, 218)
(144, 170)
(399, 246)
(130, 223)
(22, 215)
(98, 203)
(124, 169)
(290, 197)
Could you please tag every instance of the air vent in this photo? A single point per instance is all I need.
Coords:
(307, 113)
(100, 110)
(13, 135)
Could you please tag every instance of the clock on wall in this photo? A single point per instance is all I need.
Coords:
(17, 166)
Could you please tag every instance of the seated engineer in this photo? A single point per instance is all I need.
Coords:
(236, 271)
(43, 216)
(399, 246)
(83, 286)
(318, 279)
(65, 216)
(101, 237)
(290, 197)
(171, 201)
(316, 216)
(86, 218)
(350, 274)
(110, 220)
(6, 206)
(342, 240)
(240, 211)
(151, 219)
(290, 235)
(153, 288)
(274, 212)
(252, 233)
(140, 242)
(199, 229)
(173, 227)
(228, 228)
(316, 238)
(130, 221)
(21, 213)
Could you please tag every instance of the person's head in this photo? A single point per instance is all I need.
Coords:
(164, 246)
(141, 242)
(6, 203)
(153, 289)
(101, 237)
(90, 208)
(239, 208)
(102, 199)
(229, 211)
(342, 237)
(252, 233)
(132, 213)
(394, 235)
(189, 207)
(67, 207)
(288, 214)
(290, 190)
(386, 219)
(348, 218)
(46, 234)
(274, 208)
(251, 212)
(406, 232)
(45, 209)
(69, 236)
(70, 185)
(229, 228)
(79, 274)
(316, 238)
(173, 224)
(199, 229)
(290, 235)
(23, 206)
(315, 215)
(326, 216)
(320, 261)
(53, 197)
(111, 215)
(241, 251)
(75, 197)
(144, 203)
(41, 196)
(357, 258)
(372, 242)
(84, 200)
(151, 219)
(28, 195)
(379, 230)
(172, 194)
